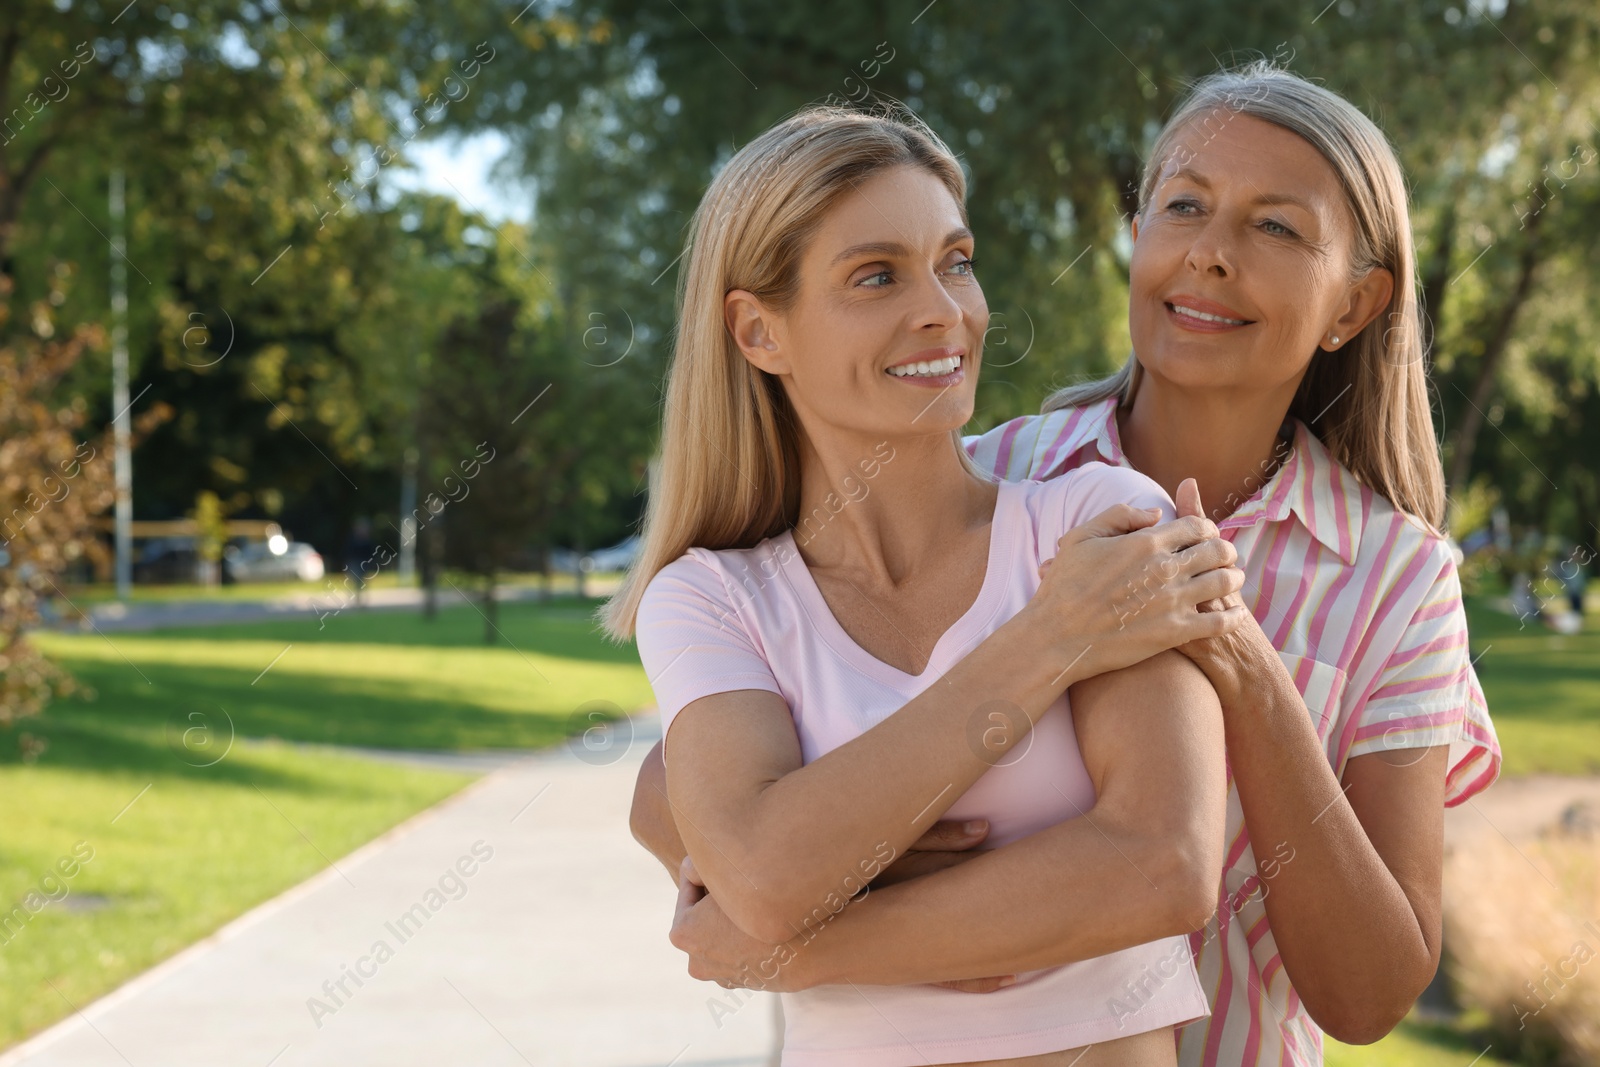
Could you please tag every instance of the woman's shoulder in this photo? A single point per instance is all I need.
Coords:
(1036, 446)
(1337, 500)
(1058, 504)
(724, 576)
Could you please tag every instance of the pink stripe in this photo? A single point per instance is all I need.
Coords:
(1449, 641)
(1478, 784)
(1376, 611)
(1303, 589)
(1406, 726)
(1252, 1040)
(1269, 575)
(1373, 608)
(1324, 612)
(1045, 468)
(1412, 568)
(1223, 1001)
(1439, 610)
(1341, 505)
(1420, 685)
(1002, 454)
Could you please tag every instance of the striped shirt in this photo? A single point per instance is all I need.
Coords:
(1364, 607)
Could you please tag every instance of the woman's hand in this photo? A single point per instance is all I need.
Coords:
(1228, 659)
(1120, 589)
(946, 844)
(720, 952)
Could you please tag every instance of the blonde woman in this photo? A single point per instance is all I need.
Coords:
(1278, 360)
(848, 634)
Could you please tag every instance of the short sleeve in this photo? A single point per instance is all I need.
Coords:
(693, 642)
(1427, 694)
(1096, 486)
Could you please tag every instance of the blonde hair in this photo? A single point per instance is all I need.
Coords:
(1372, 394)
(728, 471)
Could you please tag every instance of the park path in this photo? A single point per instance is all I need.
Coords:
(552, 952)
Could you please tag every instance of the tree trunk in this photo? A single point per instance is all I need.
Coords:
(490, 610)
(1494, 351)
(429, 568)
(1436, 277)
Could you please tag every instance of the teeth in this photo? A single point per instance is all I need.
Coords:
(1193, 314)
(930, 369)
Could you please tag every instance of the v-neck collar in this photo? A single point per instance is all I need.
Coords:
(978, 615)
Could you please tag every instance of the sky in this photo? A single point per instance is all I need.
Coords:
(460, 167)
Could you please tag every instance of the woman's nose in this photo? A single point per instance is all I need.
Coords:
(1211, 252)
(936, 305)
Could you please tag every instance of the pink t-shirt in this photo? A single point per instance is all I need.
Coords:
(715, 622)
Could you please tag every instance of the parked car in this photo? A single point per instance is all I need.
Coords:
(161, 560)
(274, 560)
(618, 557)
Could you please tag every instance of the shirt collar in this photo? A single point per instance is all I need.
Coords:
(1311, 484)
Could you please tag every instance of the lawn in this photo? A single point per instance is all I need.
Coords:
(1543, 691)
(1414, 1044)
(184, 831)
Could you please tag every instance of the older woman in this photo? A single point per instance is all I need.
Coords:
(1278, 361)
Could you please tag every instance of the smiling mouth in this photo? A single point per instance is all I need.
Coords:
(1206, 318)
(933, 368)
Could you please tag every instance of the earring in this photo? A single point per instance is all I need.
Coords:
(1334, 341)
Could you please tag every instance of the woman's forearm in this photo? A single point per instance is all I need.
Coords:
(1140, 865)
(1071, 892)
(651, 817)
(782, 845)
(1351, 938)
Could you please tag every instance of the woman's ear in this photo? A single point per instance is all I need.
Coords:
(1366, 302)
(756, 330)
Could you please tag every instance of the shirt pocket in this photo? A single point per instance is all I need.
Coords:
(1321, 686)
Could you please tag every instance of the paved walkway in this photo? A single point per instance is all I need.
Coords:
(552, 951)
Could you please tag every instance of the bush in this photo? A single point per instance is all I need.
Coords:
(1524, 943)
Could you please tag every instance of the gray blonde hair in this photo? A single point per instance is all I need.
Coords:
(1381, 429)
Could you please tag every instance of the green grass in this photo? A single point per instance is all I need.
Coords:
(1543, 691)
(204, 843)
(387, 679)
(1413, 1044)
(102, 592)
(332, 584)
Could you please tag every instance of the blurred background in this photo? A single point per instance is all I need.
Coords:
(331, 339)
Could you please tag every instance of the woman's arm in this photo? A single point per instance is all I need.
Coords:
(650, 819)
(1356, 916)
(1141, 864)
(781, 845)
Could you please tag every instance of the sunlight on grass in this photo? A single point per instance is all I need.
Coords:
(186, 832)
(1543, 691)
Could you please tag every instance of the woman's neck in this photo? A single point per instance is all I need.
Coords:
(1228, 443)
(883, 507)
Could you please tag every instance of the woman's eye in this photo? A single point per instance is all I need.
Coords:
(1183, 207)
(878, 280)
(964, 267)
(1276, 228)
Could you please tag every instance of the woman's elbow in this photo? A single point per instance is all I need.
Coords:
(1364, 1016)
(1194, 860)
(1361, 1025)
(771, 920)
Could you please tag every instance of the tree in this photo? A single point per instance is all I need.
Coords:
(52, 484)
